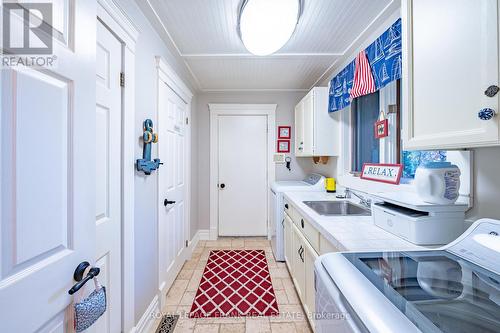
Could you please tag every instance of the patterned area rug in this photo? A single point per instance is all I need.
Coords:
(235, 283)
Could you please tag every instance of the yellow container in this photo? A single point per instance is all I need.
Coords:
(330, 185)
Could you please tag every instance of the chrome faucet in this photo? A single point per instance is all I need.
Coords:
(364, 201)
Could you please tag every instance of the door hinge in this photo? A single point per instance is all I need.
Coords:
(187, 243)
(122, 79)
(187, 121)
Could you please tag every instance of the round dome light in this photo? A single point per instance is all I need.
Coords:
(265, 26)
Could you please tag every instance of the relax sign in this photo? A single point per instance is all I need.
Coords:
(385, 173)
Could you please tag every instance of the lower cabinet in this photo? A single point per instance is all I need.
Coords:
(310, 257)
(300, 257)
(287, 226)
(298, 266)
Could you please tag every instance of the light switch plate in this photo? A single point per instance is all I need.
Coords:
(279, 158)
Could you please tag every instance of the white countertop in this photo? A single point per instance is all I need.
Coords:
(347, 233)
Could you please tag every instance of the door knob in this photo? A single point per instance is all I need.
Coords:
(222, 185)
(167, 202)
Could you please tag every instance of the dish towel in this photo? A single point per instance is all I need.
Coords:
(364, 83)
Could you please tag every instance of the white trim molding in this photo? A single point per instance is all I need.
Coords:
(167, 75)
(216, 110)
(170, 77)
(203, 234)
(110, 14)
(148, 318)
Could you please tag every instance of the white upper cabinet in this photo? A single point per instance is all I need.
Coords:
(316, 131)
(450, 52)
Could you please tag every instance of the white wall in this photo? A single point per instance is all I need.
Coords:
(148, 46)
(284, 116)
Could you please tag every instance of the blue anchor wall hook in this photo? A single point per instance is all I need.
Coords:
(149, 137)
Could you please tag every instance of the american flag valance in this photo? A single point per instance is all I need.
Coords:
(384, 60)
(363, 79)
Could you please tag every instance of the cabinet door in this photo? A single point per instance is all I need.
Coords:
(299, 269)
(299, 129)
(310, 257)
(308, 124)
(288, 241)
(450, 50)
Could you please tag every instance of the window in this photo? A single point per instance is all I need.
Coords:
(412, 159)
(365, 111)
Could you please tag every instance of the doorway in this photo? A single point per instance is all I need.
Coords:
(173, 177)
(241, 168)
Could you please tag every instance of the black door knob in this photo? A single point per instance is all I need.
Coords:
(222, 185)
(167, 202)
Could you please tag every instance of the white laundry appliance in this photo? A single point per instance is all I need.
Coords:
(455, 289)
(313, 182)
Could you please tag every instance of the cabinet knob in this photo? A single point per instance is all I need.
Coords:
(492, 91)
(302, 223)
(286, 206)
(486, 114)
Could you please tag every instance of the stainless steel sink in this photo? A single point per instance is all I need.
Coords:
(337, 208)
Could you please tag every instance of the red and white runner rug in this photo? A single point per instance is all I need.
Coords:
(235, 283)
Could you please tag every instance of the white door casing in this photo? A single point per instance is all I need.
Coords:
(114, 18)
(173, 178)
(47, 153)
(234, 110)
(108, 175)
(242, 170)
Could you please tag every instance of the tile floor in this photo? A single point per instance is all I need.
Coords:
(180, 296)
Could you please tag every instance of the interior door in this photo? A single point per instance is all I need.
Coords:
(172, 229)
(47, 153)
(108, 175)
(242, 181)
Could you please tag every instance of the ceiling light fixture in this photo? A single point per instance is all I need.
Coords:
(265, 26)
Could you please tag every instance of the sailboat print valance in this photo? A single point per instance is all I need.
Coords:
(384, 56)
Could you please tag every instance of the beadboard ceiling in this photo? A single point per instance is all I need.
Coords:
(204, 34)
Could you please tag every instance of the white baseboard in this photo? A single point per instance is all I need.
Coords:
(204, 234)
(148, 318)
(213, 234)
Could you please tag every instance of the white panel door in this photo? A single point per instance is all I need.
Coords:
(108, 175)
(172, 229)
(242, 154)
(451, 58)
(47, 151)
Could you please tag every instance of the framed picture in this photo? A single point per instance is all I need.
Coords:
(384, 173)
(283, 146)
(381, 129)
(284, 132)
